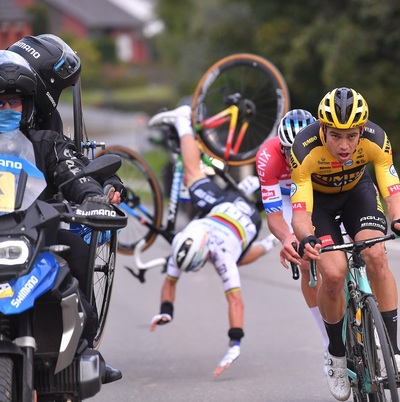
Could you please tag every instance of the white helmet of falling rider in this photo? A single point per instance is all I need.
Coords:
(190, 249)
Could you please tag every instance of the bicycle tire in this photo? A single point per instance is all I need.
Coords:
(379, 359)
(355, 361)
(103, 281)
(144, 201)
(8, 380)
(258, 81)
(77, 115)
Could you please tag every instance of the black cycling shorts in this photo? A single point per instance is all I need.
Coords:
(358, 208)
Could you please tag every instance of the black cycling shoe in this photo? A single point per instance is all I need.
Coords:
(111, 375)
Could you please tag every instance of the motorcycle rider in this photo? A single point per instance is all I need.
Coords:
(55, 155)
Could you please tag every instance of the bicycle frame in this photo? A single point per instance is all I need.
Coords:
(168, 230)
(229, 115)
(358, 292)
(357, 288)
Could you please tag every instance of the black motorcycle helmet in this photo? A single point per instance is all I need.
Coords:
(17, 77)
(56, 64)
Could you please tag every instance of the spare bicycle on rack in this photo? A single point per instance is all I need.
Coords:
(237, 105)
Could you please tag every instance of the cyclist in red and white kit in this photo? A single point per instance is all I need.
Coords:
(273, 169)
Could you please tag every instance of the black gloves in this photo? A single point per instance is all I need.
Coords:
(395, 231)
(115, 182)
(312, 240)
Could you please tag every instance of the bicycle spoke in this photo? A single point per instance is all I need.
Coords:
(380, 358)
(246, 85)
(143, 203)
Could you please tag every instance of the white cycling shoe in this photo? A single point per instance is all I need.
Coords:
(336, 375)
(179, 118)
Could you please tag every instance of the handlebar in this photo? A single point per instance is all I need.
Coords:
(357, 246)
(144, 266)
(68, 214)
(353, 247)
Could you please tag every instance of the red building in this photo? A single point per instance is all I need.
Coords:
(14, 23)
(82, 18)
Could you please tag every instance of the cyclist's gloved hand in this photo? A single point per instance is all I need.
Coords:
(312, 240)
(395, 231)
(102, 199)
(249, 184)
(227, 360)
(160, 319)
(95, 205)
(115, 184)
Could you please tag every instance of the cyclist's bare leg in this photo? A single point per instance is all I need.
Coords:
(191, 160)
(180, 119)
(381, 277)
(310, 297)
(333, 269)
(382, 282)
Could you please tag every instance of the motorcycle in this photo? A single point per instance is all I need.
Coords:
(42, 354)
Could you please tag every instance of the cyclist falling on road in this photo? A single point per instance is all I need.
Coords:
(273, 169)
(330, 177)
(224, 236)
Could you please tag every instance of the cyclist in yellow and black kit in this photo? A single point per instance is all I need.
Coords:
(329, 177)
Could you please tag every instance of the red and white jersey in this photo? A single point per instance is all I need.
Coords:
(274, 173)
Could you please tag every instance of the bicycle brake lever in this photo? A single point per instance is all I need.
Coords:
(295, 268)
(313, 269)
(139, 275)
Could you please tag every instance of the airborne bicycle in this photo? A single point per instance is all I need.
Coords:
(237, 105)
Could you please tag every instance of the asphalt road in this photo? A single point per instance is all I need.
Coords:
(281, 355)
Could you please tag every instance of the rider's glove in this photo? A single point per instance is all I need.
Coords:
(94, 205)
(166, 314)
(115, 183)
(102, 199)
(395, 231)
(232, 355)
(249, 184)
(161, 319)
(312, 240)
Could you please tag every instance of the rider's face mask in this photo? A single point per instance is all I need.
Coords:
(9, 120)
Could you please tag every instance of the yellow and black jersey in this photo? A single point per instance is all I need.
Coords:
(314, 168)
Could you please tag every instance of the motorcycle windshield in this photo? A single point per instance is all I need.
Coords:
(21, 182)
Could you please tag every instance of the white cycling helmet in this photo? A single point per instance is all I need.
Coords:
(291, 124)
(190, 247)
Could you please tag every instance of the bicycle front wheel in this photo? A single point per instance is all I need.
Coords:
(379, 354)
(103, 279)
(144, 203)
(259, 90)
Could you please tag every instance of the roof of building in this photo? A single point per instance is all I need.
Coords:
(95, 13)
(9, 11)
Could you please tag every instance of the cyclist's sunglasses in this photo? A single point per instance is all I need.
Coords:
(13, 103)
